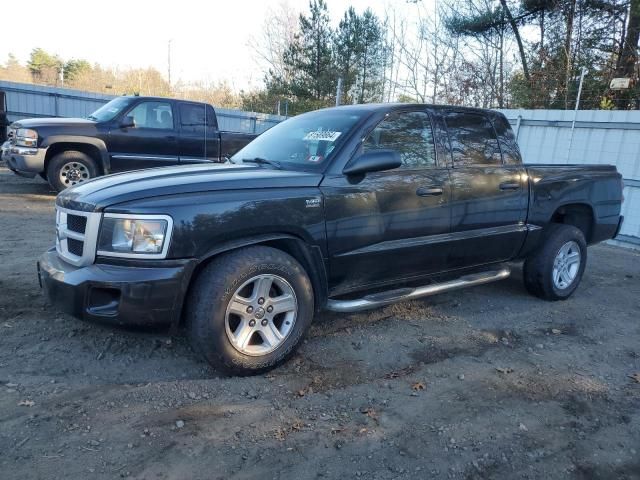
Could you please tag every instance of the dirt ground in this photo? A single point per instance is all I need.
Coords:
(486, 383)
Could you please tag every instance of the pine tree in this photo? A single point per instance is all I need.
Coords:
(359, 47)
(310, 57)
(347, 47)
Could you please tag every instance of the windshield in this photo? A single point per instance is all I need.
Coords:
(110, 110)
(306, 141)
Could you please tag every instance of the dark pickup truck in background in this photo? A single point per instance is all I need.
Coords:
(342, 209)
(128, 133)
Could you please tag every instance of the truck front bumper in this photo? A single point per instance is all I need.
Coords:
(23, 161)
(116, 294)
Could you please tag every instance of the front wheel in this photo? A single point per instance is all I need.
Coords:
(554, 271)
(248, 310)
(70, 168)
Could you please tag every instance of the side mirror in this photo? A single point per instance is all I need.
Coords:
(127, 122)
(373, 161)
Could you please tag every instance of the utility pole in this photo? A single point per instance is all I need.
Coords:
(339, 92)
(575, 111)
(169, 61)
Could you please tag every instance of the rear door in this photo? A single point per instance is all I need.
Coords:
(392, 224)
(152, 142)
(199, 136)
(488, 198)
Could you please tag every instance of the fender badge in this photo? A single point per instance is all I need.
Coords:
(312, 202)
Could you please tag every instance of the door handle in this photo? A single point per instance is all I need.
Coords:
(510, 186)
(429, 191)
(170, 137)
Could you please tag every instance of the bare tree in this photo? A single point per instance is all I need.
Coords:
(270, 44)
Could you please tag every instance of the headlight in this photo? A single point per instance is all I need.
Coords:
(26, 138)
(135, 236)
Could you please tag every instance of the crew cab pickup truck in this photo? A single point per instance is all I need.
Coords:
(343, 209)
(128, 133)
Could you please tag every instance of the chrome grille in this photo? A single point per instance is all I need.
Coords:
(76, 235)
(11, 133)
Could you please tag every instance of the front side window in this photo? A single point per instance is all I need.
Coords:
(152, 115)
(408, 133)
(473, 140)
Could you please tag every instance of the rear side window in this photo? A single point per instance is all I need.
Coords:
(507, 140)
(473, 140)
(192, 115)
(408, 133)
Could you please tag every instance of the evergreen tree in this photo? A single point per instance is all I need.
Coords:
(309, 58)
(44, 66)
(347, 50)
(371, 61)
(74, 68)
(359, 51)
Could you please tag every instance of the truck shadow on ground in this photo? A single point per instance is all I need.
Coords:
(25, 186)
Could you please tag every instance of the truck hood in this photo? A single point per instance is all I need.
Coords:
(103, 192)
(51, 122)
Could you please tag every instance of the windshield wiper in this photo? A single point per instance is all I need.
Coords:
(91, 117)
(262, 161)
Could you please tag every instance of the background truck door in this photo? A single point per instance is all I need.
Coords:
(488, 198)
(152, 142)
(390, 224)
(199, 136)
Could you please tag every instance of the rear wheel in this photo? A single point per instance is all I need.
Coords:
(248, 310)
(70, 168)
(554, 271)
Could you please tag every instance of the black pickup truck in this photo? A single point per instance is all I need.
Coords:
(343, 209)
(128, 133)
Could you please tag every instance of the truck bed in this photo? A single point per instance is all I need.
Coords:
(552, 186)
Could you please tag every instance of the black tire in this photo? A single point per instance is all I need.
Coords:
(538, 267)
(43, 175)
(78, 161)
(212, 292)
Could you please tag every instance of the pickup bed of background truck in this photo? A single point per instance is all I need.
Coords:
(128, 133)
(345, 209)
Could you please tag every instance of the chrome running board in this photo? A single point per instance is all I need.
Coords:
(402, 295)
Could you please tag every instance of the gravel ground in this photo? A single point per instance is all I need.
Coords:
(483, 383)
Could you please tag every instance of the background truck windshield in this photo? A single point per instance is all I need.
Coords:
(306, 141)
(110, 110)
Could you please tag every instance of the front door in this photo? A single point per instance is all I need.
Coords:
(151, 142)
(488, 198)
(389, 224)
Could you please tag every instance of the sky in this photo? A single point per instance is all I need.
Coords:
(208, 38)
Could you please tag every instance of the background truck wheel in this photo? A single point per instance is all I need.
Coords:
(249, 309)
(554, 271)
(70, 168)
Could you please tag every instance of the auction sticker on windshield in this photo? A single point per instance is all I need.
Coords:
(325, 135)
